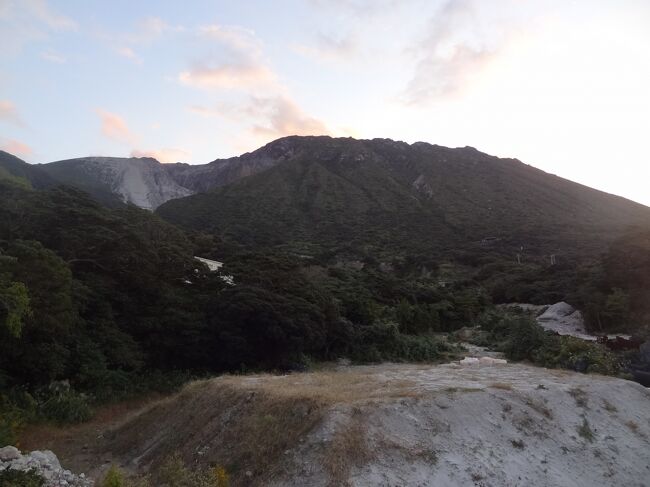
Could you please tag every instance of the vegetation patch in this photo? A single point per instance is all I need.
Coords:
(348, 449)
(585, 431)
(17, 478)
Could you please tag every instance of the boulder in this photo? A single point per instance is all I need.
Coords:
(9, 453)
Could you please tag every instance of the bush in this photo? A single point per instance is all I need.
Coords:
(62, 405)
(383, 341)
(17, 478)
(521, 338)
(113, 478)
(174, 473)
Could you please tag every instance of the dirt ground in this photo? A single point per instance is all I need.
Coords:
(389, 424)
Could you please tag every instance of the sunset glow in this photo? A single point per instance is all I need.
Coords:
(563, 86)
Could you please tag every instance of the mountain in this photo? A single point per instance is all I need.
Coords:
(203, 177)
(143, 182)
(385, 198)
(17, 169)
(147, 183)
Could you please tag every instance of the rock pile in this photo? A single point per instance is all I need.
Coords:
(45, 463)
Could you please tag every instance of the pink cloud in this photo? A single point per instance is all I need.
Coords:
(238, 64)
(9, 113)
(166, 155)
(17, 148)
(114, 127)
(283, 117)
(228, 76)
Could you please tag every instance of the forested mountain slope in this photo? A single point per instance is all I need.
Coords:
(396, 199)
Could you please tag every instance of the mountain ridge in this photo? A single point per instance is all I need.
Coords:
(381, 193)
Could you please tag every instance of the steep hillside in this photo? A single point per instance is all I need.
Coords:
(203, 177)
(147, 183)
(111, 180)
(394, 199)
(452, 425)
(17, 169)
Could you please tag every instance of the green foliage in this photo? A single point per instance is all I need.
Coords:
(520, 338)
(17, 478)
(174, 473)
(62, 405)
(14, 303)
(114, 478)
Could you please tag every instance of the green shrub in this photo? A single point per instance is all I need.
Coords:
(521, 338)
(17, 478)
(174, 473)
(62, 405)
(16, 409)
(113, 478)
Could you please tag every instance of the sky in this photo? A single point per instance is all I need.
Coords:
(561, 85)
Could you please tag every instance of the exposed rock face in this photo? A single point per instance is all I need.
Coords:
(565, 320)
(45, 463)
(143, 182)
(147, 183)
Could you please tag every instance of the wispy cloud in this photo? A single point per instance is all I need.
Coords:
(268, 117)
(267, 107)
(462, 38)
(16, 148)
(42, 11)
(166, 155)
(282, 116)
(129, 53)
(330, 48)
(9, 113)
(53, 57)
(360, 7)
(239, 64)
(146, 32)
(114, 127)
(26, 21)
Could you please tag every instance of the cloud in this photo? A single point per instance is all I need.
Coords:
(129, 53)
(267, 107)
(166, 155)
(329, 48)
(228, 76)
(16, 148)
(268, 117)
(237, 65)
(41, 11)
(9, 113)
(114, 127)
(461, 41)
(361, 7)
(283, 117)
(26, 21)
(146, 32)
(53, 57)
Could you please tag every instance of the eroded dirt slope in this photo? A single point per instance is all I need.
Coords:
(387, 425)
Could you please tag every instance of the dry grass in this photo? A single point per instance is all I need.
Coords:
(334, 387)
(609, 407)
(634, 427)
(539, 407)
(214, 423)
(349, 448)
(580, 397)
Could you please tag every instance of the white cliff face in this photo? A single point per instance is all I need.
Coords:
(143, 182)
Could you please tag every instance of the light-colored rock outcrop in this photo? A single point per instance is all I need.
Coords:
(45, 463)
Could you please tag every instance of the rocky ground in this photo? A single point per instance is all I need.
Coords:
(479, 423)
(45, 464)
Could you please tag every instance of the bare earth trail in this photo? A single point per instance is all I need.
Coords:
(389, 425)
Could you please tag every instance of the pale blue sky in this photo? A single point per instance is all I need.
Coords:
(558, 84)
